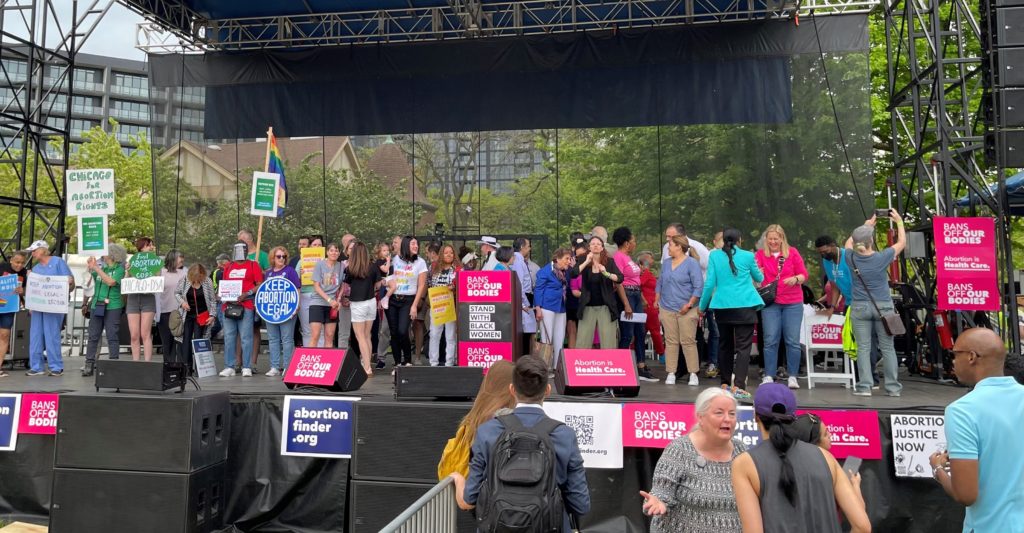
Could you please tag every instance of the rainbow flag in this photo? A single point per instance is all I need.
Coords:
(275, 164)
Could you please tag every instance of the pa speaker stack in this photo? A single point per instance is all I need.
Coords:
(130, 463)
(1002, 44)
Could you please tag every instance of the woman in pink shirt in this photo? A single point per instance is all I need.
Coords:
(783, 318)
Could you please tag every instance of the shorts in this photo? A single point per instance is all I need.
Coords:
(321, 314)
(423, 311)
(140, 303)
(365, 311)
(6, 322)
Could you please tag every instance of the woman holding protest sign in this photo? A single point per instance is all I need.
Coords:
(281, 338)
(362, 278)
(141, 308)
(442, 276)
(16, 267)
(196, 300)
(327, 276)
(106, 305)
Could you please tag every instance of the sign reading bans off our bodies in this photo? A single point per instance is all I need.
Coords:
(965, 261)
(90, 192)
(485, 318)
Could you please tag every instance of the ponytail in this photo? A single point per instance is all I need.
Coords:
(782, 441)
(730, 238)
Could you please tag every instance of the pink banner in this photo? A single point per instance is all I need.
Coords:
(599, 368)
(314, 366)
(655, 425)
(826, 335)
(483, 354)
(491, 286)
(38, 414)
(967, 277)
(853, 433)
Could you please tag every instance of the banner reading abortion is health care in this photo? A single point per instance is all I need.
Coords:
(965, 257)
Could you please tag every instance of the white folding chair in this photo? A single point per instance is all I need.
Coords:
(824, 335)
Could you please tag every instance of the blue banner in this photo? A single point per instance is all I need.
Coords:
(314, 426)
(746, 427)
(9, 407)
(276, 300)
(9, 302)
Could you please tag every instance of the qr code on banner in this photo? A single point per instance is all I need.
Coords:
(584, 428)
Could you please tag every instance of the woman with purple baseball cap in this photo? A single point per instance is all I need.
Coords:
(786, 485)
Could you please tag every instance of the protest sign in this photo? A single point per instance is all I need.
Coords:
(145, 265)
(47, 294)
(966, 273)
(314, 426)
(914, 439)
(202, 351)
(853, 432)
(90, 192)
(746, 427)
(9, 301)
(38, 414)
(483, 354)
(599, 368)
(598, 428)
(142, 286)
(228, 290)
(92, 235)
(655, 425)
(265, 188)
(308, 258)
(442, 305)
(9, 411)
(276, 300)
(314, 366)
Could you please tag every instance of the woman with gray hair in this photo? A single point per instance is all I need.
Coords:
(692, 489)
(871, 300)
(107, 303)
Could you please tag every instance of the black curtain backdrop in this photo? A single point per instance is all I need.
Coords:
(729, 73)
(268, 492)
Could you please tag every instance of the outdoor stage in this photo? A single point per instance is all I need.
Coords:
(397, 445)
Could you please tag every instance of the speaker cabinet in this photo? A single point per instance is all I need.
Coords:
(350, 377)
(373, 504)
(403, 442)
(1011, 67)
(139, 375)
(1005, 148)
(566, 389)
(86, 500)
(19, 338)
(1011, 107)
(1010, 29)
(438, 382)
(154, 433)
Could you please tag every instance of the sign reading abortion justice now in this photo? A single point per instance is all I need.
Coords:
(914, 439)
(314, 366)
(90, 192)
(314, 426)
(965, 260)
(38, 414)
(276, 300)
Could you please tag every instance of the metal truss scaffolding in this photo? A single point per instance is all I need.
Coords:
(935, 82)
(38, 50)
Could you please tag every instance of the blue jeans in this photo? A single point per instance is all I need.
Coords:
(232, 330)
(628, 331)
(782, 322)
(713, 336)
(44, 332)
(282, 342)
(868, 327)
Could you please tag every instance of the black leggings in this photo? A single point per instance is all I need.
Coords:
(167, 344)
(399, 322)
(734, 340)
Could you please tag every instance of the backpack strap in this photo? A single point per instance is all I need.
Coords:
(511, 422)
(546, 426)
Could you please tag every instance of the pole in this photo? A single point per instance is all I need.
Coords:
(266, 167)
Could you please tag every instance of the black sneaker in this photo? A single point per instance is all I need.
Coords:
(35, 373)
(644, 374)
(57, 373)
(87, 370)
(781, 373)
(381, 364)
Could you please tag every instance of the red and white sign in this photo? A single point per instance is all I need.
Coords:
(38, 414)
(483, 354)
(825, 333)
(314, 366)
(490, 286)
(599, 368)
(965, 256)
(853, 433)
(655, 425)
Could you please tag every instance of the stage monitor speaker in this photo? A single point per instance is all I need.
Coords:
(403, 441)
(139, 375)
(86, 500)
(565, 388)
(350, 376)
(373, 504)
(437, 382)
(1010, 27)
(19, 337)
(155, 433)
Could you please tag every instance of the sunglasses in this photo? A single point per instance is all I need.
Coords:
(279, 256)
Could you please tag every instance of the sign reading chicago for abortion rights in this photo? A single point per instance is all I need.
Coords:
(276, 300)
(314, 366)
(599, 368)
(314, 426)
(38, 414)
(485, 317)
(9, 408)
(914, 439)
(655, 425)
(598, 428)
(853, 433)
(90, 192)
(965, 257)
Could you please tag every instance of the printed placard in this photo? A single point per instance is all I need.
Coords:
(491, 286)
(9, 301)
(314, 366)
(142, 286)
(92, 235)
(599, 368)
(746, 427)
(265, 188)
(485, 322)
(229, 290)
(483, 354)
(145, 265)
(47, 294)
(308, 258)
(914, 439)
(965, 260)
(598, 428)
(826, 333)
(315, 426)
(202, 352)
(655, 425)
(10, 405)
(442, 305)
(853, 432)
(276, 300)
(90, 192)
(38, 414)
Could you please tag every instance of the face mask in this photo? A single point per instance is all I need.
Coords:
(831, 256)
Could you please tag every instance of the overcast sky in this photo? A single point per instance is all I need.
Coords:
(115, 35)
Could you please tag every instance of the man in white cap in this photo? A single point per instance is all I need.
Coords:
(44, 329)
(488, 246)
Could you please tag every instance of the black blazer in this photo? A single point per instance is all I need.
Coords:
(611, 298)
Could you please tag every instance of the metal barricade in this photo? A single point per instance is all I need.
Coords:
(434, 512)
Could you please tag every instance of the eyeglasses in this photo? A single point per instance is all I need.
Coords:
(976, 354)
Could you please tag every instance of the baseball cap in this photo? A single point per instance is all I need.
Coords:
(468, 257)
(37, 245)
(774, 398)
(864, 235)
(490, 241)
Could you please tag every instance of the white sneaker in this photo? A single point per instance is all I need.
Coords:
(767, 379)
(273, 372)
(670, 379)
(793, 383)
(246, 372)
(694, 382)
(227, 372)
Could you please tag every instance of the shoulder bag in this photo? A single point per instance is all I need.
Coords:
(540, 349)
(892, 321)
(767, 293)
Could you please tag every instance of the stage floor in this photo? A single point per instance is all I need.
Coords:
(918, 393)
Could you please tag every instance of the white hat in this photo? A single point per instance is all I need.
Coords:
(466, 259)
(37, 245)
(489, 241)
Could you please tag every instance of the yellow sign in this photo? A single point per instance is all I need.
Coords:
(308, 258)
(442, 305)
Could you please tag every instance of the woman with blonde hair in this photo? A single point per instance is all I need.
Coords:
(493, 398)
(783, 317)
(197, 300)
(281, 342)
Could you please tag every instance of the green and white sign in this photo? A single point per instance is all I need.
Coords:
(144, 265)
(90, 192)
(92, 235)
(265, 188)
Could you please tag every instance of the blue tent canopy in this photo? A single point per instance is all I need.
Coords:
(1014, 192)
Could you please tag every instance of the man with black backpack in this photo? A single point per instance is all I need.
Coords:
(525, 470)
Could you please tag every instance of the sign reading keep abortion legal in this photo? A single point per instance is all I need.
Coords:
(276, 300)
(965, 261)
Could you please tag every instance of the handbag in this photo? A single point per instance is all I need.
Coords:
(202, 319)
(176, 324)
(545, 351)
(767, 293)
(234, 311)
(892, 322)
